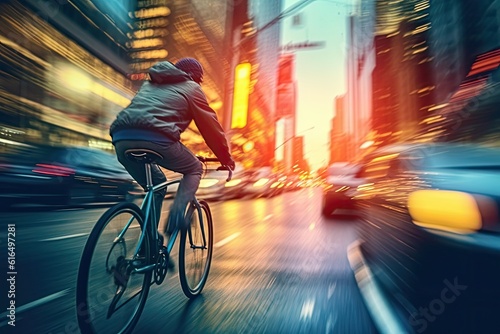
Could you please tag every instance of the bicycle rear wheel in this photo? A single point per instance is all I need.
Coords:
(109, 296)
(195, 250)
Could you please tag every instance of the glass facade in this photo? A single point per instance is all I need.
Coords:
(64, 82)
(52, 90)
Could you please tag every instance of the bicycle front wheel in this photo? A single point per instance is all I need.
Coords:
(110, 296)
(195, 250)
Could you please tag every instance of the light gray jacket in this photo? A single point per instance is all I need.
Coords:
(165, 106)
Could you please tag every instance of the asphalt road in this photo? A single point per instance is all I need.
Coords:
(278, 267)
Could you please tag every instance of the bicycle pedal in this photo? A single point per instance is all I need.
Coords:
(138, 261)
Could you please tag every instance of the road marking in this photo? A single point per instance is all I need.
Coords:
(65, 237)
(226, 240)
(307, 309)
(331, 322)
(331, 289)
(37, 303)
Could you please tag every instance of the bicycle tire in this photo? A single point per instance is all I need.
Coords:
(195, 262)
(96, 318)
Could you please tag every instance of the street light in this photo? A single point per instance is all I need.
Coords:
(295, 135)
(291, 154)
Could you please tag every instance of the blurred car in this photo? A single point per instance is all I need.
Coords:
(213, 185)
(340, 186)
(430, 235)
(63, 176)
(263, 183)
(292, 183)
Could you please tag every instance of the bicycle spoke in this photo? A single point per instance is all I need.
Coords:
(195, 253)
(110, 297)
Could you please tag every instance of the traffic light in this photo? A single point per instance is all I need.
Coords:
(241, 92)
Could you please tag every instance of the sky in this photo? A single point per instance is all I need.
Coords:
(319, 72)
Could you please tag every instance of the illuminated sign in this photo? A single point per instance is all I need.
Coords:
(138, 76)
(151, 54)
(144, 43)
(147, 42)
(152, 23)
(142, 66)
(151, 3)
(147, 33)
(302, 45)
(147, 13)
(240, 95)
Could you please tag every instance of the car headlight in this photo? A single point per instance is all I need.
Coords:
(261, 182)
(232, 183)
(275, 184)
(207, 183)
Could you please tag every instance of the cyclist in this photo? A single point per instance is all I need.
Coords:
(160, 111)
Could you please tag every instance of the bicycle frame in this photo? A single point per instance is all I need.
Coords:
(150, 216)
(195, 251)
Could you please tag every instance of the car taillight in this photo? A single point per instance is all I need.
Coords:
(53, 170)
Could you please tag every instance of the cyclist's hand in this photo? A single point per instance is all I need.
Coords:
(230, 165)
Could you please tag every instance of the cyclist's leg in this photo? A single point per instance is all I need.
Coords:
(137, 171)
(180, 159)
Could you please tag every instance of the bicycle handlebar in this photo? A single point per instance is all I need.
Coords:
(222, 167)
(205, 159)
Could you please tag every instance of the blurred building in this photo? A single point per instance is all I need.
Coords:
(448, 46)
(300, 164)
(286, 112)
(256, 42)
(68, 67)
(201, 29)
(339, 141)
(428, 57)
(465, 45)
(403, 82)
(360, 64)
(53, 89)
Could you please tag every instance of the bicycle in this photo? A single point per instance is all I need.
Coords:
(109, 256)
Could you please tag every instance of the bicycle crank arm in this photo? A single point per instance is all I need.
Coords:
(116, 298)
(143, 270)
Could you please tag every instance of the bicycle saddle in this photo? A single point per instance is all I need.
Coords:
(143, 155)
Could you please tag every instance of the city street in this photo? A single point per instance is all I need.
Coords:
(278, 267)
